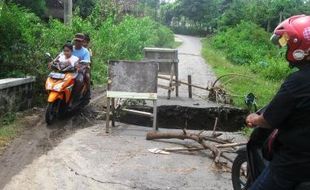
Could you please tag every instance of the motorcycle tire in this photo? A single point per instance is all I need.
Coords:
(236, 171)
(50, 113)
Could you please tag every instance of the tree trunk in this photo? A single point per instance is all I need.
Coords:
(280, 17)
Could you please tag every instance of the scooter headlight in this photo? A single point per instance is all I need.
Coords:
(58, 87)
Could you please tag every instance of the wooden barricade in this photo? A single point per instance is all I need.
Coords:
(168, 65)
(132, 80)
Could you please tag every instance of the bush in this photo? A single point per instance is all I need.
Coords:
(25, 39)
(36, 6)
(19, 32)
(248, 44)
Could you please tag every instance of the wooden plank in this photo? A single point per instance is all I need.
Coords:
(168, 61)
(113, 111)
(171, 80)
(182, 82)
(176, 84)
(165, 87)
(160, 50)
(155, 127)
(107, 125)
(190, 93)
(132, 95)
(138, 112)
(176, 71)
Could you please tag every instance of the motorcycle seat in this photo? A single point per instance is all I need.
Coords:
(303, 186)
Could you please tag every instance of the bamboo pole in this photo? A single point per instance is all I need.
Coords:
(185, 83)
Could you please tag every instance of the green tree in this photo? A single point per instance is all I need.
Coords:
(37, 6)
(223, 14)
(167, 13)
(85, 7)
(266, 13)
(149, 8)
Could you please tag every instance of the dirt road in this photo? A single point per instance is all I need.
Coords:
(79, 155)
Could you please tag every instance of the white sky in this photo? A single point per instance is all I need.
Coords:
(171, 1)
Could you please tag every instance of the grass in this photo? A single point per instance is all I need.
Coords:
(10, 127)
(177, 44)
(8, 132)
(240, 86)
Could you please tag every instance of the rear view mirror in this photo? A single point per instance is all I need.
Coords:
(48, 56)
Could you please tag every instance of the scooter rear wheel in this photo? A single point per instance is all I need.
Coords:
(240, 174)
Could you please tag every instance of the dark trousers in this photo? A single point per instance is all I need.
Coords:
(268, 181)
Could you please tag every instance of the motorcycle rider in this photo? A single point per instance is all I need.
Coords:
(289, 112)
(84, 56)
(86, 44)
(79, 50)
(66, 56)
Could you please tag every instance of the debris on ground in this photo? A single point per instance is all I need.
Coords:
(212, 142)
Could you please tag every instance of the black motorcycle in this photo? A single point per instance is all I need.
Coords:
(250, 161)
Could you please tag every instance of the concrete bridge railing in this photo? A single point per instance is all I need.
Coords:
(16, 94)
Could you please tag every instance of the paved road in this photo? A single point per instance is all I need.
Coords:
(192, 63)
(90, 159)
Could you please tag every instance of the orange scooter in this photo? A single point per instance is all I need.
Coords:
(65, 91)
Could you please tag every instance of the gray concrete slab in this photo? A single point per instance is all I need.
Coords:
(11, 82)
(90, 159)
(187, 102)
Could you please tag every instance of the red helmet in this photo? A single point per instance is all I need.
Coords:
(295, 33)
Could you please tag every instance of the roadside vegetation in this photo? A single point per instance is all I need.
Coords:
(114, 35)
(26, 38)
(237, 41)
(261, 64)
(239, 87)
(10, 128)
(26, 35)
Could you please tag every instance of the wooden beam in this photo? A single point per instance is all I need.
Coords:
(107, 125)
(165, 87)
(190, 91)
(132, 95)
(185, 83)
(164, 60)
(138, 112)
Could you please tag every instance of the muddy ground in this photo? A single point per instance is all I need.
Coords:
(37, 139)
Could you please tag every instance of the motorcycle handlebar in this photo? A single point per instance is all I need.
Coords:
(55, 65)
(262, 110)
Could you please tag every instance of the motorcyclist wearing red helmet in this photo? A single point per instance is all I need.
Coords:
(289, 112)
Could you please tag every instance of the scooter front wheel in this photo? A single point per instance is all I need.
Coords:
(240, 174)
(51, 113)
